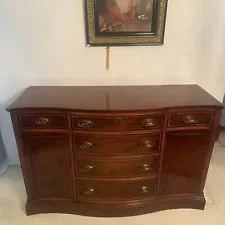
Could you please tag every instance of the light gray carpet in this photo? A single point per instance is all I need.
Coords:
(12, 200)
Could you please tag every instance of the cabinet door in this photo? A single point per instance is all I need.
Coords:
(48, 155)
(184, 161)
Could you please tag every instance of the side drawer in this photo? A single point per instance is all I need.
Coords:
(116, 168)
(43, 121)
(190, 119)
(98, 191)
(144, 122)
(128, 144)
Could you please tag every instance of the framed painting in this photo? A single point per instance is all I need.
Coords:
(125, 22)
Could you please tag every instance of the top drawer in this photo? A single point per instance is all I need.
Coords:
(190, 119)
(117, 122)
(43, 121)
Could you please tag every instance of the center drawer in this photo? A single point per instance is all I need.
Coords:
(117, 122)
(116, 167)
(99, 191)
(128, 144)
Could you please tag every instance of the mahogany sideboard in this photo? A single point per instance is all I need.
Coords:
(115, 151)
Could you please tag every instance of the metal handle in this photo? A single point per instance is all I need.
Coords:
(189, 120)
(149, 122)
(43, 121)
(85, 124)
(143, 190)
(88, 168)
(86, 144)
(145, 167)
(87, 191)
(148, 144)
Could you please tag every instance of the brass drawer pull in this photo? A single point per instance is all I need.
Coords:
(149, 122)
(189, 120)
(86, 144)
(43, 121)
(87, 191)
(88, 169)
(143, 190)
(145, 167)
(149, 144)
(86, 124)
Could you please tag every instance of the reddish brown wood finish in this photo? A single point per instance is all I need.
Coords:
(146, 122)
(92, 167)
(143, 206)
(106, 191)
(115, 151)
(190, 119)
(184, 156)
(115, 98)
(43, 121)
(128, 144)
(49, 158)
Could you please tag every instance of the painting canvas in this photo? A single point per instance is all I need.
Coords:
(125, 22)
(125, 15)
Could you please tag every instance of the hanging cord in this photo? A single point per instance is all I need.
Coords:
(107, 58)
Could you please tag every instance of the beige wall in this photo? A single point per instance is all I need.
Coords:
(210, 71)
(42, 42)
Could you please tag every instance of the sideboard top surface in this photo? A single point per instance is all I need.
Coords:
(114, 98)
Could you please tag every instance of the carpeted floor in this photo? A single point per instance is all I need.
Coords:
(12, 200)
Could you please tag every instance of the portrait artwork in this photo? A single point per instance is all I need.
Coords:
(125, 22)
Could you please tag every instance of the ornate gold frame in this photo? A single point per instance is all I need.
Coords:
(155, 39)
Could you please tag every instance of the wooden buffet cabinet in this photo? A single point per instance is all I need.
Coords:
(115, 151)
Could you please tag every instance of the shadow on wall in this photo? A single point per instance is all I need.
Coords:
(222, 120)
(2, 149)
(7, 135)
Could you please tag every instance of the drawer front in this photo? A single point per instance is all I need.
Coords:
(43, 121)
(115, 191)
(117, 123)
(117, 145)
(190, 119)
(116, 168)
